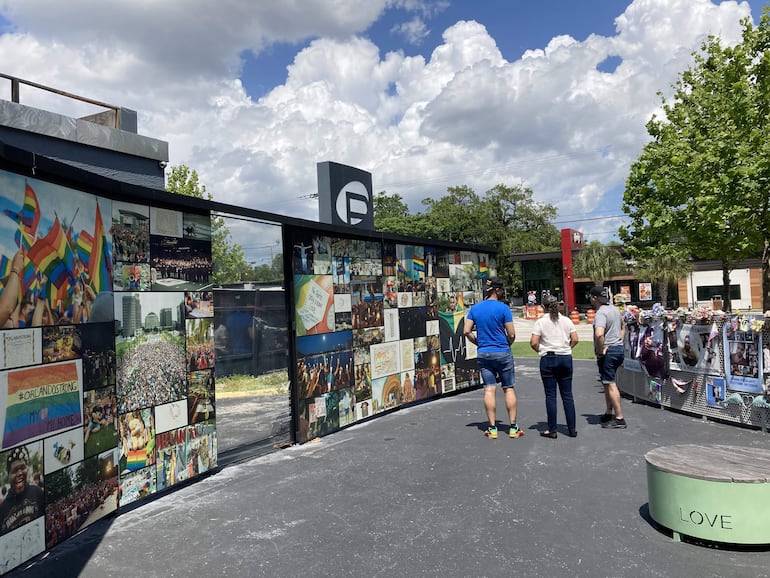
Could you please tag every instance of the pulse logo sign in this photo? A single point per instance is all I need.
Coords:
(353, 203)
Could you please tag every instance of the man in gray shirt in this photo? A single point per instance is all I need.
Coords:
(608, 347)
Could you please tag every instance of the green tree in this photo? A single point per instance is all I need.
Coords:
(391, 214)
(599, 262)
(506, 218)
(703, 181)
(230, 264)
(663, 266)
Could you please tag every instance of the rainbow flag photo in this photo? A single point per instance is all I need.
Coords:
(41, 401)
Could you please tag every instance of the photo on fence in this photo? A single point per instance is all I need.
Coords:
(742, 348)
(716, 392)
(652, 353)
(150, 350)
(55, 252)
(21, 477)
(80, 495)
(100, 410)
(137, 440)
(40, 401)
(180, 264)
(697, 349)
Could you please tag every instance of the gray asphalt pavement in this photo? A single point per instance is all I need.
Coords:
(422, 492)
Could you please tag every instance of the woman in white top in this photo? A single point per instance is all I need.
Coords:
(553, 337)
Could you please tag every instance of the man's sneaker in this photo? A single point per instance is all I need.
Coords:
(606, 417)
(515, 433)
(615, 424)
(491, 433)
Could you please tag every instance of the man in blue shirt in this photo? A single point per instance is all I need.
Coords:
(494, 335)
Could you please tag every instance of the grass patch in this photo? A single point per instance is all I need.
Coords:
(583, 350)
(267, 384)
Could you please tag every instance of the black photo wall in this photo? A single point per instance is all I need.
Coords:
(106, 358)
(378, 325)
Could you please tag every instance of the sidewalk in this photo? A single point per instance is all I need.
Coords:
(423, 492)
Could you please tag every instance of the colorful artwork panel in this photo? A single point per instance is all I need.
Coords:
(366, 302)
(370, 336)
(22, 475)
(386, 393)
(137, 440)
(180, 264)
(99, 416)
(314, 304)
(198, 304)
(202, 447)
(137, 486)
(631, 348)
(172, 464)
(63, 450)
(200, 344)
(61, 342)
(363, 381)
(150, 352)
(132, 277)
(408, 391)
(201, 403)
(40, 401)
(53, 268)
(324, 373)
(130, 230)
(80, 495)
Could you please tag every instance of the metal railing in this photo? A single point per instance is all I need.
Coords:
(15, 96)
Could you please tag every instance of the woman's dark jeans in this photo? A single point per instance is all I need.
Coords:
(556, 371)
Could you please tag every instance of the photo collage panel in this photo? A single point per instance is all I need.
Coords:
(106, 358)
(379, 325)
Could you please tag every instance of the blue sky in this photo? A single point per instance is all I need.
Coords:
(516, 25)
(551, 95)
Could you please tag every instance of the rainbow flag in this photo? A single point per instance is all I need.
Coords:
(30, 210)
(23, 238)
(483, 270)
(84, 245)
(45, 255)
(100, 262)
(41, 400)
(400, 266)
(136, 459)
(418, 264)
(5, 267)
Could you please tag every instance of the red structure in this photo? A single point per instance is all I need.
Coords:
(571, 240)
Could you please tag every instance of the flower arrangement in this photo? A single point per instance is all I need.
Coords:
(631, 314)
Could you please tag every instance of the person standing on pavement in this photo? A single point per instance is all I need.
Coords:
(495, 333)
(553, 337)
(608, 347)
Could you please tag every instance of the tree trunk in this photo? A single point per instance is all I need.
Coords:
(663, 288)
(766, 275)
(728, 306)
